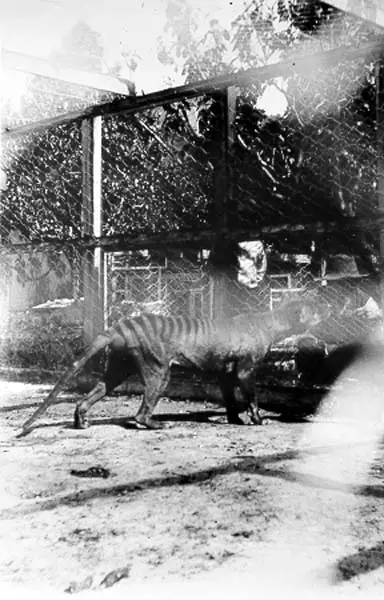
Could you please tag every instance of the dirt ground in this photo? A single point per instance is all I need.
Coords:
(198, 508)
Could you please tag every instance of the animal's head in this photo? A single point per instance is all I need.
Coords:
(297, 315)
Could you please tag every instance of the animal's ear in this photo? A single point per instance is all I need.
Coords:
(304, 314)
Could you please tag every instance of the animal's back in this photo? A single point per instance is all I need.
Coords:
(197, 340)
(165, 334)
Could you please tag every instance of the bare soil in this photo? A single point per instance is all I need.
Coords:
(200, 507)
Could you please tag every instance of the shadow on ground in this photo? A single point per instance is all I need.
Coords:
(251, 465)
(360, 562)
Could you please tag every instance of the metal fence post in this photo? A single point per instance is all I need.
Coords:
(92, 222)
(379, 67)
(224, 213)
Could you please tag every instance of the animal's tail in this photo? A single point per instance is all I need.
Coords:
(101, 342)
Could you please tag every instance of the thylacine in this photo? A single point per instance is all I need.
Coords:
(147, 345)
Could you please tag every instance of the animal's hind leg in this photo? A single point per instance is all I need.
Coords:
(115, 374)
(155, 382)
(82, 407)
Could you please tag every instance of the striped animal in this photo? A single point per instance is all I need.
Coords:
(148, 345)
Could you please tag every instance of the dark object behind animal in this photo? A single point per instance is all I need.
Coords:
(319, 368)
(147, 345)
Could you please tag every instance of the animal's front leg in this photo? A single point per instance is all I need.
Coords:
(247, 373)
(227, 383)
(117, 370)
(253, 412)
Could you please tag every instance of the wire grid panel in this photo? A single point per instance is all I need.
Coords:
(172, 286)
(318, 161)
(43, 196)
(180, 285)
(157, 174)
(36, 98)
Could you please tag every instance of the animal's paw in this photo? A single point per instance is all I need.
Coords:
(79, 586)
(250, 418)
(115, 576)
(80, 420)
(235, 420)
(256, 420)
(243, 418)
(148, 424)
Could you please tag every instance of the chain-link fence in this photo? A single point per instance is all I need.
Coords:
(199, 200)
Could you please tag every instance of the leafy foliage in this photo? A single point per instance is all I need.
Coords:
(44, 183)
(151, 178)
(50, 344)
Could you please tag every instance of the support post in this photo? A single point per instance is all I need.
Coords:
(379, 68)
(224, 211)
(223, 195)
(92, 223)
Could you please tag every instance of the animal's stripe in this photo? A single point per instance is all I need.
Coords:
(204, 328)
(150, 329)
(188, 326)
(153, 331)
(123, 329)
(171, 327)
(151, 325)
(138, 329)
(178, 333)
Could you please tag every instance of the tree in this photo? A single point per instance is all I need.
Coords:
(81, 48)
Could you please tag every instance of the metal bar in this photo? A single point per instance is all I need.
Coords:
(204, 238)
(295, 64)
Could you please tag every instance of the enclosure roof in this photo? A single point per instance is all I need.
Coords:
(126, 29)
(370, 10)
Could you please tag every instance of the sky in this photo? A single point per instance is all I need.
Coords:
(35, 27)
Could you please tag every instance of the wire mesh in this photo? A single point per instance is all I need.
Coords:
(156, 174)
(33, 98)
(218, 202)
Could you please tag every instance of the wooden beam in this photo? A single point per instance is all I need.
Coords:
(223, 213)
(218, 157)
(200, 239)
(44, 68)
(223, 217)
(295, 64)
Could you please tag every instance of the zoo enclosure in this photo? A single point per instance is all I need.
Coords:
(194, 200)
